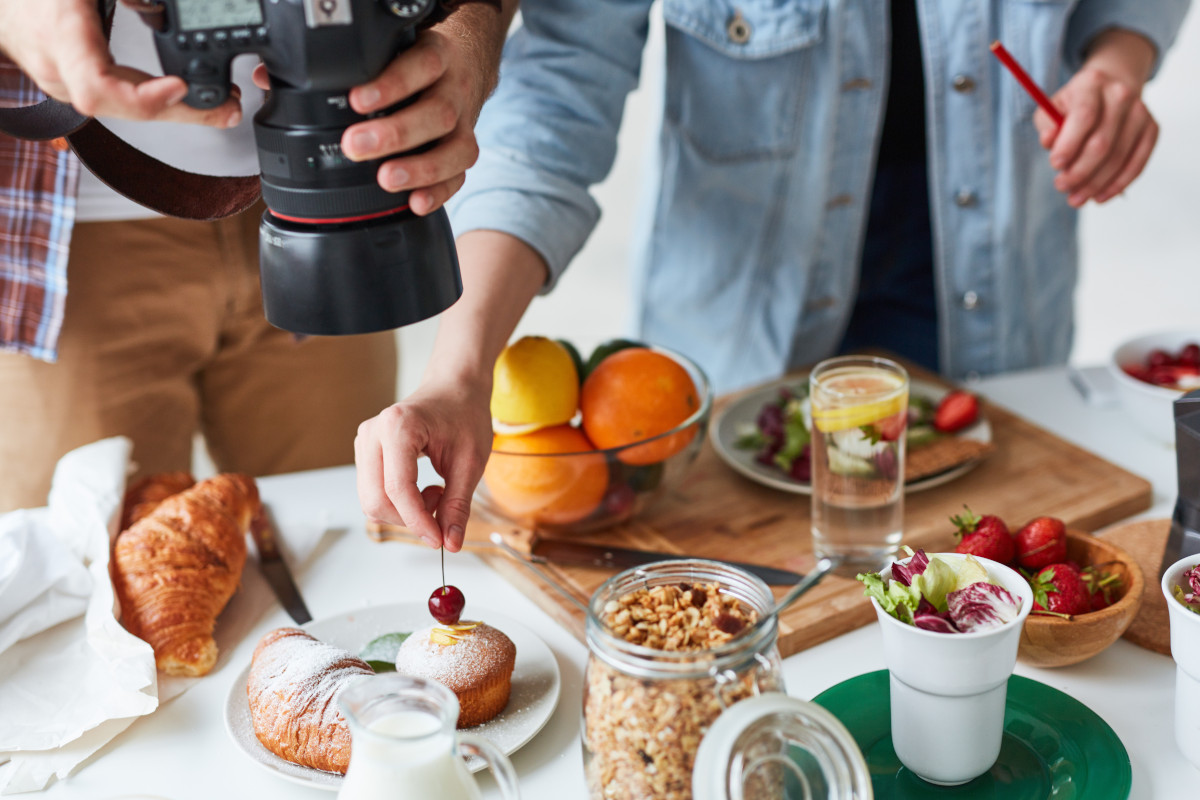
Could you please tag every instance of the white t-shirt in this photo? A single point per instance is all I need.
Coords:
(196, 148)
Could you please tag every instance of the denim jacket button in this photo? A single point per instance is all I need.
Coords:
(963, 84)
(738, 28)
(970, 300)
(965, 198)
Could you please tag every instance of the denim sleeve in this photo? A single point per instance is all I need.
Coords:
(1157, 20)
(550, 130)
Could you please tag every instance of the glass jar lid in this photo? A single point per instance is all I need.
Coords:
(776, 746)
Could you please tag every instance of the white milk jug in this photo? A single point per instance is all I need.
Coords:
(403, 743)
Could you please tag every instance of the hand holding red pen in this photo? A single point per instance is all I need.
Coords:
(1108, 133)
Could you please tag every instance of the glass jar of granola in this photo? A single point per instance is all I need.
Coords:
(671, 645)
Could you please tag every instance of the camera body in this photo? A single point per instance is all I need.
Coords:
(338, 253)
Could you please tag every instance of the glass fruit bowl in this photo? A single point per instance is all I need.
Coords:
(583, 490)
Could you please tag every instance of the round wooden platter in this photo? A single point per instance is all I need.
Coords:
(1145, 540)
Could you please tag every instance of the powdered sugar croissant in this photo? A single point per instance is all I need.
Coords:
(292, 690)
(176, 568)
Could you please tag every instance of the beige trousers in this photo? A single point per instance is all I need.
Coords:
(164, 337)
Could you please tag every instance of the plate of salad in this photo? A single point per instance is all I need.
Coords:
(766, 434)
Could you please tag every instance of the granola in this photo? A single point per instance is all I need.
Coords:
(641, 734)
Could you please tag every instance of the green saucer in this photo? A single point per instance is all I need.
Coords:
(1054, 746)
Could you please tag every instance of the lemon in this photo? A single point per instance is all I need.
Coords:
(534, 385)
(829, 420)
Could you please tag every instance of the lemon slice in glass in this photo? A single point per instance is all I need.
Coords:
(829, 420)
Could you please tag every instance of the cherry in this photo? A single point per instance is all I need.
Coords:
(446, 604)
(1158, 358)
(1190, 355)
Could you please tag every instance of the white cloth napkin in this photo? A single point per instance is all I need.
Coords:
(68, 683)
(62, 688)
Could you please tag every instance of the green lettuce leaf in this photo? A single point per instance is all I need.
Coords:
(896, 599)
(1182, 596)
(937, 581)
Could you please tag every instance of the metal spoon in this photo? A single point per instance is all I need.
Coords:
(822, 568)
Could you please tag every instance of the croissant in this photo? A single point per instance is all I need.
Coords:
(176, 568)
(144, 496)
(293, 687)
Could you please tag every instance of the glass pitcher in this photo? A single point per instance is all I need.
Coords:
(404, 743)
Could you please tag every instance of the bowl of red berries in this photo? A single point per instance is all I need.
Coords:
(1151, 371)
(1086, 591)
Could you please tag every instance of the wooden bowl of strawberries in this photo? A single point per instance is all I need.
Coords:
(1086, 590)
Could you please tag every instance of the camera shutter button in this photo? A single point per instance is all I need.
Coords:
(198, 68)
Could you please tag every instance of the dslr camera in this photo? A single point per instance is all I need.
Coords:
(338, 254)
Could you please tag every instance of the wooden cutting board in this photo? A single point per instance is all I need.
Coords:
(717, 513)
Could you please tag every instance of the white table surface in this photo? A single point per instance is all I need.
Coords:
(182, 751)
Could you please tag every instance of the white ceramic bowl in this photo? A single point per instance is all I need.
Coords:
(1185, 649)
(948, 690)
(1149, 407)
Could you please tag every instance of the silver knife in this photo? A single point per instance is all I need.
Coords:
(265, 535)
(562, 551)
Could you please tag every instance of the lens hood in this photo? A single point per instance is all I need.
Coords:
(327, 280)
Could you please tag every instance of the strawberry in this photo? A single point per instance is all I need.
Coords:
(956, 411)
(1100, 584)
(1043, 541)
(1059, 589)
(986, 537)
(892, 428)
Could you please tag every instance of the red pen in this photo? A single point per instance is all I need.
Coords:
(1023, 78)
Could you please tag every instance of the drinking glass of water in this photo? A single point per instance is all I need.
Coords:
(859, 415)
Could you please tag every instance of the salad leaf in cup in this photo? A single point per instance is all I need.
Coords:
(1189, 596)
(942, 595)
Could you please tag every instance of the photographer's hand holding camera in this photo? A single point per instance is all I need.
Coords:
(60, 45)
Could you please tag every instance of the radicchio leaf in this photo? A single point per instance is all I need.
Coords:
(981, 606)
(1190, 600)
(915, 566)
(928, 618)
(1192, 576)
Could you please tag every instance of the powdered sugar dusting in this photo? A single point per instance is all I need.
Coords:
(295, 675)
(482, 651)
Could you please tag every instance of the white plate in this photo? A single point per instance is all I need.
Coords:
(744, 411)
(535, 686)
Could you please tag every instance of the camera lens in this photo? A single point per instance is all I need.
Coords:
(338, 254)
(305, 176)
(360, 278)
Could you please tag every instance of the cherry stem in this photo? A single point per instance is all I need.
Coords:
(443, 549)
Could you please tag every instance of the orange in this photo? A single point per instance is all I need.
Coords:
(636, 394)
(546, 489)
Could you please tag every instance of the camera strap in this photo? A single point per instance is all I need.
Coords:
(128, 171)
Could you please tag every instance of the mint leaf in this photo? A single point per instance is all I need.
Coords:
(381, 651)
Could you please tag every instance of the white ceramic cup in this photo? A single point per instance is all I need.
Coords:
(1185, 649)
(949, 689)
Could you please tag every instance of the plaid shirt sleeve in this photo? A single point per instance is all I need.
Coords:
(38, 183)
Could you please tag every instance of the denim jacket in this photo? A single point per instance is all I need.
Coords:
(749, 240)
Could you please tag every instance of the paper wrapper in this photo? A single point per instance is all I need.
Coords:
(67, 691)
